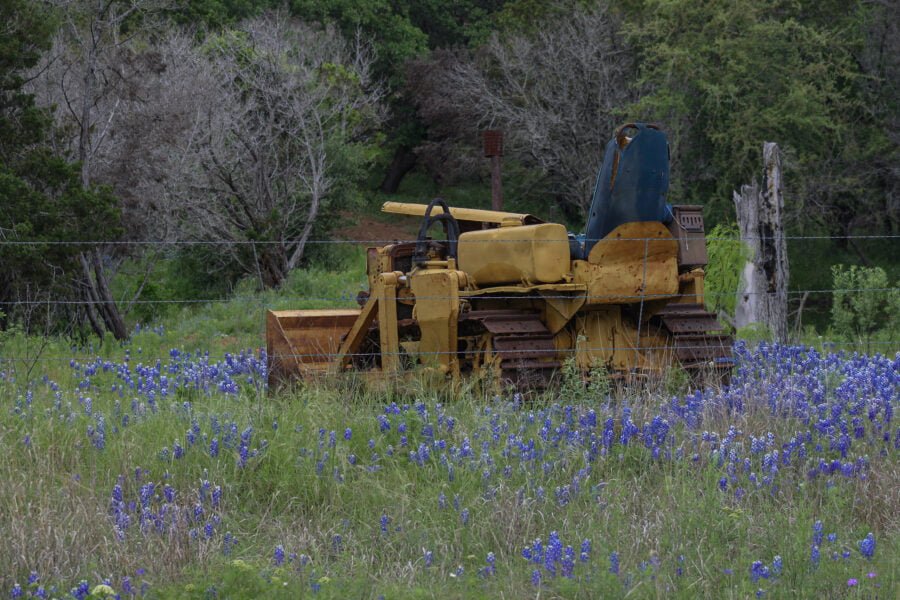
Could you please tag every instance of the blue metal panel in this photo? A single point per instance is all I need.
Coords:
(631, 186)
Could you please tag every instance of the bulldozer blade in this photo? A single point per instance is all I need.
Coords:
(304, 342)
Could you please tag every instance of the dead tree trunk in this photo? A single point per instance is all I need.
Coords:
(100, 302)
(762, 297)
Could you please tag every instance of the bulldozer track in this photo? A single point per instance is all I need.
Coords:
(523, 344)
(698, 338)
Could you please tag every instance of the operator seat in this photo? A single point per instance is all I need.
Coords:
(631, 186)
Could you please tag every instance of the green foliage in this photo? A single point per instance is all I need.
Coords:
(577, 386)
(727, 256)
(219, 13)
(754, 333)
(42, 201)
(726, 76)
(387, 24)
(866, 306)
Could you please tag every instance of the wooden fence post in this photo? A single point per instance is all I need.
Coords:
(762, 297)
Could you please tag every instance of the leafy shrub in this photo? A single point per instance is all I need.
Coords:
(727, 255)
(865, 306)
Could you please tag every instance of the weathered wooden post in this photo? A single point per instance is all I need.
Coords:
(762, 297)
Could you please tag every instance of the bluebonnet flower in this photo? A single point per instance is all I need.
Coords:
(537, 551)
(585, 550)
(17, 591)
(553, 554)
(491, 560)
(758, 570)
(777, 565)
(429, 557)
(278, 556)
(348, 433)
(568, 562)
(464, 516)
(817, 533)
(814, 555)
(867, 546)
(384, 523)
(81, 591)
(536, 577)
(614, 563)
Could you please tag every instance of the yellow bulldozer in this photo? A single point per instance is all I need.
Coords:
(509, 297)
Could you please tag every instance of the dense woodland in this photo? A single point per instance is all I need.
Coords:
(240, 121)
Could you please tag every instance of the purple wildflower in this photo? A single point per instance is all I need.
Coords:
(867, 546)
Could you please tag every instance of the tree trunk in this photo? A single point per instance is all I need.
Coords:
(403, 162)
(90, 296)
(763, 295)
(99, 297)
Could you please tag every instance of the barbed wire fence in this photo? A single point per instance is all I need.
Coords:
(349, 298)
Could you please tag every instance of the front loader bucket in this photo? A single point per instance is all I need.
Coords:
(302, 343)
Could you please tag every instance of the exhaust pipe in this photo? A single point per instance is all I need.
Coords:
(493, 149)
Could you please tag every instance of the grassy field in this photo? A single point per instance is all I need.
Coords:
(164, 468)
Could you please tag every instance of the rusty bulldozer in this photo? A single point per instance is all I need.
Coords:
(510, 297)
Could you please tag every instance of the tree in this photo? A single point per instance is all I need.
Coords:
(92, 78)
(42, 199)
(865, 304)
(558, 94)
(287, 115)
(724, 76)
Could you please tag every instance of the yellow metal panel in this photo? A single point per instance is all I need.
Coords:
(528, 254)
(437, 313)
(387, 324)
(690, 288)
(474, 215)
(552, 288)
(559, 309)
(635, 261)
(605, 339)
(358, 331)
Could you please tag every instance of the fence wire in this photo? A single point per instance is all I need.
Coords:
(140, 359)
(350, 297)
(383, 242)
